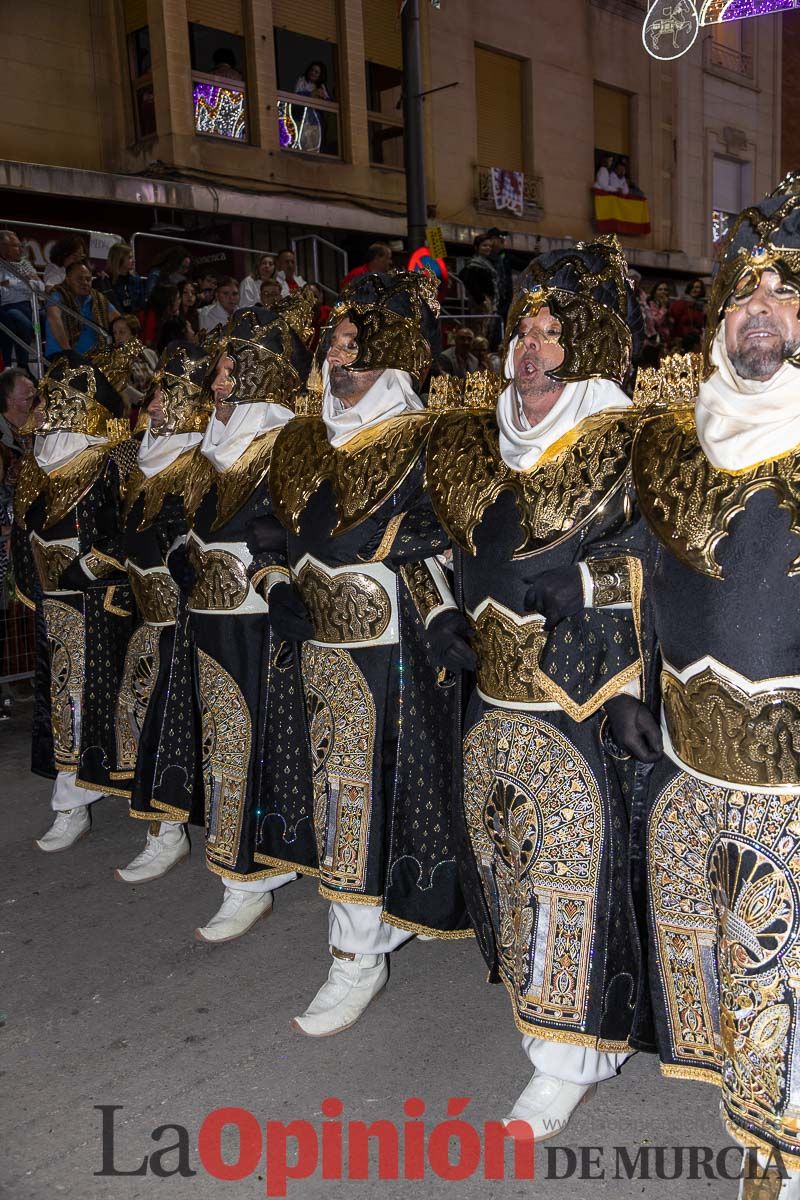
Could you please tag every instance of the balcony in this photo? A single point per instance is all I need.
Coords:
(532, 208)
(220, 107)
(308, 126)
(727, 58)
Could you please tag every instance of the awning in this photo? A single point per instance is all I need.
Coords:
(615, 213)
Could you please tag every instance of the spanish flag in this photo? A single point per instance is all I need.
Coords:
(615, 213)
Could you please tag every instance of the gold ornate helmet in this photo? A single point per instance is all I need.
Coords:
(395, 316)
(587, 287)
(269, 351)
(181, 375)
(764, 237)
(76, 397)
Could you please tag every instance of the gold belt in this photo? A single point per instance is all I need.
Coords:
(221, 579)
(156, 596)
(51, 559)
(508, 656)
(722, 731)
(344, 608)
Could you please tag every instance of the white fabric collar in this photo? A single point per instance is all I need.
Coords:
(522, 445)
(741, 422)
(54, 450)
(223, 445)
(158, 453)
(391, 394)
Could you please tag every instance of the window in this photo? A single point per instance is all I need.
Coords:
(612, 126)
(219, 67)
(139, 68)
(731, 190)
(498, 107)
(307, 62)
(384, 63)
(729, 47)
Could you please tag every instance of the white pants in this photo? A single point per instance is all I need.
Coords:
(573, 1064)
(358, 929)
(67, 794)
(270, 884)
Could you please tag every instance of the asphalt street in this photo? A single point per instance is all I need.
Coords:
(107, 999)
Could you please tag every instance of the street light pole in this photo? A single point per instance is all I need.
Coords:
(417, 211)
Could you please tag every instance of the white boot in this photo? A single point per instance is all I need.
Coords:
(767, 1179)
(166, 846)
(238, 912)
(547, 1105)
(70, 825)
(353, 981)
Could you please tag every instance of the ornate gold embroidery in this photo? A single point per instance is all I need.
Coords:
(243, 477)
(202, 477)
(508, 656)
(560, 494)
(424, 593)
(611, 582)
(676, 380)
(69, 484)
(156, 595)
(31, 481)
(155, 488)
(724, 872)
(535, 819)
(138, 680)
(227, 740)
(101, 564)
(387, 541)
(66, 642)
(363, 473)
(350, 607)
(221, 581)
(719, 730)
(341, 718)
(477, 389)
(688, 502)
(110, 602)
(51, 560)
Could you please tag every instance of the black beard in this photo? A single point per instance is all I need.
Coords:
(528, 387)
(344, 383)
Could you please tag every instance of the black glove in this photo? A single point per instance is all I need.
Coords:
(265, 535)
(181, 569)
(73, 578)
(108, 522)
(448, 634)
(634, 728)
(289, 616)
(556, 594)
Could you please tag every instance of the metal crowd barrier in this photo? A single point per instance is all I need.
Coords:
(17, 641)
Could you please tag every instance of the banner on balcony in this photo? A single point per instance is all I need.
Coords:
(508, 189)
(615, 213)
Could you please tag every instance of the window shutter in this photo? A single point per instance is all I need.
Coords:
(498, 105)
(225, 15)
(382, 41)
(612, 120)
(314, 18)
(135, 13)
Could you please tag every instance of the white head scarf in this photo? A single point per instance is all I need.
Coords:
(158, 453)
(391, 394)
(741, 422)
(223, 445)
(522, 445)
(54, 450)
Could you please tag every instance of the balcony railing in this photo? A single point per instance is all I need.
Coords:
(308, 125)
(728, 58)
(220, 107)
(532, 206)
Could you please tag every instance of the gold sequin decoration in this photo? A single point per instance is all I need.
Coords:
(535, 819)
(221, 582)
(227, 740)
(156, 595)
(341, 719)
(349, 607)
(138, 680)
(66, 642)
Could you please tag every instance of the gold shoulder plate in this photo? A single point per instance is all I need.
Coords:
(238, 483)
(67, 485)
(364, 473)
(31, 481)
(201, 478)
(689, 503)
(173, 481)
(555, 499)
